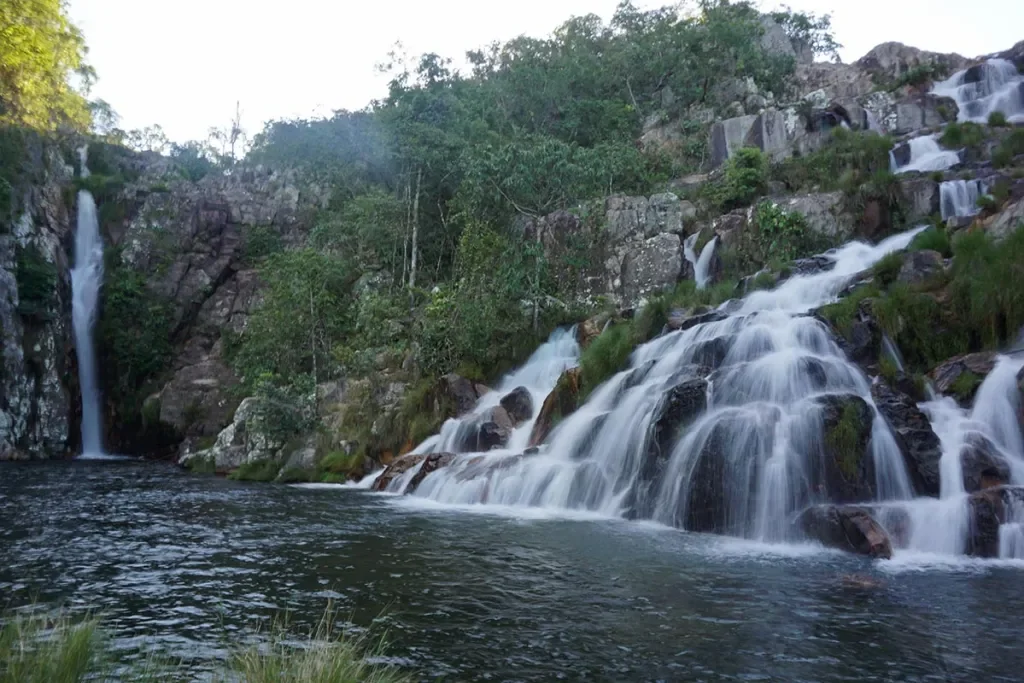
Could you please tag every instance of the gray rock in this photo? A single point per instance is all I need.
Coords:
(912, 430)
(653, 266)
(824, 212)
(244, 441)
(892, 60)
(625, 216)
(766, 131)
(664, 214)
(989, 509)
(920, 267)
(921, 197)
(518, 404)
(1006, 221)
(949, 375)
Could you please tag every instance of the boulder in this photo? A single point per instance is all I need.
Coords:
(892, 60)
(518, 404)
(591, 328)
(912, 430)
(862, 341)
(246, 441)
(494, 430)
(982, 464)
(432, 463)
(664, 214)
(197, 401)
(684, 319)
(765, 131)
(461, 393)
(916, 111)
(846, 470)
(920, 267)
(676, 409)
(1009, 218)
(989, 509)
(824, 212)
(625, 216)
(961, 376)
(563, 401)
(921, 196)
(846, 527)
(396, 468)
(653, 266)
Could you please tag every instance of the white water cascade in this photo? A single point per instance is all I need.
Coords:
(993, 85)
(959, 198)
(757, 377)
(925, 155)
(538, 375)
(702, 264)
(86, 279)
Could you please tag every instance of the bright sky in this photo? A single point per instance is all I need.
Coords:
(184, 64)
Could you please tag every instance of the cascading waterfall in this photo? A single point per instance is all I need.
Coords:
(702, 264)
(758, 375)
(993, 85)
(86, 279)
(925, 155)
(959, 198)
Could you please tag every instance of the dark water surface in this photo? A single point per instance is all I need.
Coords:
(189, 565)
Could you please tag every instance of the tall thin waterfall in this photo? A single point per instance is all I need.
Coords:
(702, 264)
(86, 279)
(993, 85)
(758, 375)
(960, 197)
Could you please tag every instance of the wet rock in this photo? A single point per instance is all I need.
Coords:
(846, 471)
(518, 404)
(396, 468)
(848, 528)
(921, 267)
(432, 463)
(862, 341)
(684, 319)
(653, 266)
(921, 195)
(677, 409)
(824, 212)
(962, 375)
(561, 402)
(460, 392)
(591, 328)
(982, 464)
(912, 430)
(989, 509)
(494, 431)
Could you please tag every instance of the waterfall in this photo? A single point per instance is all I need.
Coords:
(871, 122)
(538, 375)
(86, 279)
(925, 154)
(993, 85)
(960, 197)
(757, 376)
(701, 265)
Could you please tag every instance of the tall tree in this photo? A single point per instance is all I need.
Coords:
(40, 51)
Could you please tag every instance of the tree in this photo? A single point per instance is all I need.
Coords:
(40, 50)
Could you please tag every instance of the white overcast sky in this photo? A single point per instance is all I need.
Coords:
(184, 64)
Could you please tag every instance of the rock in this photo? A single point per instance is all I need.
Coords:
(246, 441)
(982, 464)
(432, 463)
(625, 216)
(459, 393)
(518, 404)
(561, 402)
(1009, 218)
(846, 471)
(664, 214)
(196, 402)
(921, 196)
(848, 528)
(915, 112)
(678, 407)
(590, 329)
(824, 212)
(494, 430)
(962, 375)
(301, 459)
(892, 60)
(765, 131)
(912, 430)
(398, 467)
(989, 509)
(921, 267)
(684, 319)
(652, 267)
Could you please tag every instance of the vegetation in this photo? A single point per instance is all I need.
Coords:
(997, 119)
(38, 648)
(849, 160)
(967, 134)
(934, 238)
(745, 179)
(844, 440)
(1011, 146)
(965, 385)
(984, 290)
(37, 284)
(261, 471)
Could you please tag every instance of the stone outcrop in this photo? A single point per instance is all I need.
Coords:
(766, 131)
(563, 401)
(846, 469)
(983, 465)
(824, 212)
(518, 404)
(962, 375)
(846, 527)
(892, 60)
(920, 267)
(654, 265)
(396, 468)
(989, 509)
(245, 441)
(36, 351)
(912, 430)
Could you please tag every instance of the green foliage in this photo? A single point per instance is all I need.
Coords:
(745, 179)
(967, 134)
(843, 313)
(205, 465)
(888, 369)
(843, 440)
(41, 649)
(888, 268)
(260, 242)
(964, 386)
(988, 203)
(849, 160)
(193, 160)
(40, 50)
(37, 284)
(934, 238)
(813, 31)
(920, 75)
(1011, 146)
(261, 471)
(919, 326)
(606, 355)
(294, 475)
(341, 462)
(285, 408)
(781, 235)
(997, 119)
(986, 286)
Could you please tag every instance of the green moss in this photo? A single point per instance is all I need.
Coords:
(985, 288)
(1010, 147)
(934, 238)
(340, 462)
(204, 465)
(764, 280)
(997, 119)
(887, 269)
(263, 470)
(919, 326)
(843, 313)
(887, 369)
(295, 475)
(843, 440)
(333, 478)
(965, 385)
(848, 161)
(967, 134)
(606, 355)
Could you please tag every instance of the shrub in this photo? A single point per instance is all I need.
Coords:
(606, 355)
(849, 159)
(745, 178)
(37, 284)
(843, 313)
(262, 471)
(986, 286)
(997, 119)
(966, 134)
(1010, 147)
(987, 202)
(887, 269)
(918, 325)
(935, 239)
(842, 439)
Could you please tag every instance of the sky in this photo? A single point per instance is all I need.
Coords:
(184, 64)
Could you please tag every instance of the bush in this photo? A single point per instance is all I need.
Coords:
(262, 471)
(1010, 147)
(997, 119)
(986, 286)
(843, 313)
(850, 158)
(935, 239)
(919, 326)
(782, 236)
(37, 284)
(887, 269)
(745, 178)
(606, 355)
(966, 134)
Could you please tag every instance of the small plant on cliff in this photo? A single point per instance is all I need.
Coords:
(850, 158)
(37, 284)
(782, 235)
(843, 440)
(1010, 147)
(934, 238)
(745, 178)
(986, 286)
(923, 330)
(888, 268)
(966, 134)
(997, 119)
(843, 313)
(606, 355)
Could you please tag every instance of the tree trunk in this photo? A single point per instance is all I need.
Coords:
(415, 230)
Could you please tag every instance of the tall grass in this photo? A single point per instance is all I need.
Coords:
(38, 648)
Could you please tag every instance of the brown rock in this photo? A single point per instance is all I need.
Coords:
(399, 466)
(561, 402)
(947, 373)
(519, 405)
(432, 463)
(846, 527)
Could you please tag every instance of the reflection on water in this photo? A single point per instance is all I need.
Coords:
(188, 565)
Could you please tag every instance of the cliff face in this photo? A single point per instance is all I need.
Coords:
(36, 357)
